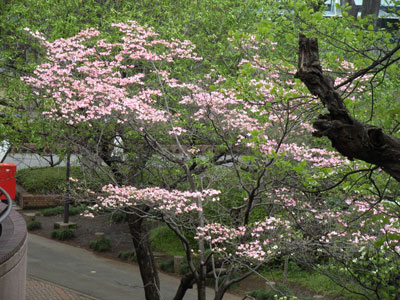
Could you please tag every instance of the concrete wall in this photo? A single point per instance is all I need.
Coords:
(13, 257)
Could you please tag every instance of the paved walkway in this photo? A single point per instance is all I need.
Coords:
(92, 275)
(37, 289)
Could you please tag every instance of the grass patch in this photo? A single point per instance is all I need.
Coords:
(100, 245)
(62, 235)
(59, 210)
(45, 180)
(33, 225)
(313, 281)
(164, 240)
(128, 255)
(51, 180)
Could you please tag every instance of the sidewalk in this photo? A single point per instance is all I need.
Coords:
(72, 273)
(37, 289)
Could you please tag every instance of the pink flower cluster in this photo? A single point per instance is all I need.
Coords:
(176, 202)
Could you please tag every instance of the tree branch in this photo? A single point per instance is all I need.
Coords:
(351, 138)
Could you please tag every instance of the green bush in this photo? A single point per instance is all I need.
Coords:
(164, 240)
(279, 290)
(52, 180)
(52, 211)
(184, 269)
(45, 180)
(62, 235)
(59, 210)
(167, 266)
(117, 217)
(32, 225)
(100, 245)
(128, 255)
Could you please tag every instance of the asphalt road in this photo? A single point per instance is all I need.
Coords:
(96, 276)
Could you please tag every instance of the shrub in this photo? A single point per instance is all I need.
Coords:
(59, 210)
(52, 211)
(165, 240)
(184, 268)
(100, 245)
(128, 255)
(280, 290)
(32, 225)
(117, 217)
(45, 180)
(167, 266)
(76, 210)
(51, 180)
(63, 234)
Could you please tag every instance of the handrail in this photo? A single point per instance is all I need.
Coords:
(4, 214)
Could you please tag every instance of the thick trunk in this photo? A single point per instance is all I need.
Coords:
(350, 137)
(186, 283)
(144, 254)
(353, 11)
(221, 292)
(201, 287)
(370, 7)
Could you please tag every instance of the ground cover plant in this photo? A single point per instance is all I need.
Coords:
(63, 234)
(59, 210)
(100, 245)
(226, 159)
(33, 225)
(45, 180)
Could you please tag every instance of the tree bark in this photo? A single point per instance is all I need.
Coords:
(351, 138)
(186, 283)
(144, 254)
(353, 11)
(370, 7)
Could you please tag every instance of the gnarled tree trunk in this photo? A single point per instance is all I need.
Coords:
(353, 139)
(144, 254)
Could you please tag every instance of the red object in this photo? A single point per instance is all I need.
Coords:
(7, 179)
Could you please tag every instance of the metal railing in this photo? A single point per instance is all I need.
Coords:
(4, 214)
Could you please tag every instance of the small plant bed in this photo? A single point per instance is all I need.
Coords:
(100, 245)
(63, 234)
(59, 210)
(86, 229)
(128, 255)
(33, 225)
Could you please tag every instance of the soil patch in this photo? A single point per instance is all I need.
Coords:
(86, 229)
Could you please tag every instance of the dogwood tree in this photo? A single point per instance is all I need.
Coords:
(249, 182)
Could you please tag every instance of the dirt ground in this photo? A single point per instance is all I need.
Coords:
(86, 229)
(121, 241)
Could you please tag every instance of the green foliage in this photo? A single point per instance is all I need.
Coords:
(100, 245)
(164, 240)
(279, 290)
(313, 280)
(52, 211)
(45, 180)
(58, 210)
(184, 268)
(33, 225)
(63, 234)
(129, 255)
(167, 266)
(117, 217)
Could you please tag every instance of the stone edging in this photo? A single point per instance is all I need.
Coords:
(27, 200)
